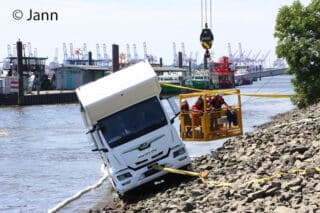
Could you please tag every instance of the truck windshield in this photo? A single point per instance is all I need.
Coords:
(132, 122)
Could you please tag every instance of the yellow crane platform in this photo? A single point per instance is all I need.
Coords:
(210, 122)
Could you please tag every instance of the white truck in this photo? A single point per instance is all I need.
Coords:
(130, 127)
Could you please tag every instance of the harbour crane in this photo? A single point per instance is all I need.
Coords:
(247, 60)
(85, 52)
(145, 51)
(9, 50)
(104, 51)
(135, 53)
(175, 56)
(263, 58)
(248, 55)
(65, 53)
(152, 59)
(196, 58)
(55, 59)
(232, 56)
(71, 51)
(229, 51)
(98, 51)
(184, 55)
(240, 53)
(35, 52)
(255, 57)
(29, 49)
(129, 59)
(106, 58)
(14, 50)
(190, 57)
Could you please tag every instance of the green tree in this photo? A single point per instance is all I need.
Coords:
(298, 32)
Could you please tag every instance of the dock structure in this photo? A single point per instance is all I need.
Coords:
(18, 88)
(260, 74)
(45, 97)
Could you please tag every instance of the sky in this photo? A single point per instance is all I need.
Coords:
(158, 23)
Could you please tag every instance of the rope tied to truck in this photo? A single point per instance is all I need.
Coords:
(205, 174)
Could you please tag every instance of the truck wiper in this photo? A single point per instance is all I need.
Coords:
(102, 149)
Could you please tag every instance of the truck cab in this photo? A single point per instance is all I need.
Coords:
(129, 127)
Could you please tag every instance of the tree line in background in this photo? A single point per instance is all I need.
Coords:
(298, 32)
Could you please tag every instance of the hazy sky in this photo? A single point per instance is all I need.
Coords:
(158, 23)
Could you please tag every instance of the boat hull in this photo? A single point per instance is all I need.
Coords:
(201, 84)
(169, 90)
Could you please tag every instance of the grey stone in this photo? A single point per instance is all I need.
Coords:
(283, 209)
(272, 191)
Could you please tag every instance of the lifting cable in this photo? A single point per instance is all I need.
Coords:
(205, 11)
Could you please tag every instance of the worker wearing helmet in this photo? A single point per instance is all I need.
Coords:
(198, 106)
(186, 117)
(218, 101)
(216, 104)
(184, 105)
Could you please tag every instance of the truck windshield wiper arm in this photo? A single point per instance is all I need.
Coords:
(102, 149)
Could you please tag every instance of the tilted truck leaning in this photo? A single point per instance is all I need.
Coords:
(130, 127)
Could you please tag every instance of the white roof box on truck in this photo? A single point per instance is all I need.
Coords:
(138, 82)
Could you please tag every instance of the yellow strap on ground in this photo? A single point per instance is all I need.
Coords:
(204, 175)
(265, 179)
(176, 171)
(217, 183)
(252, 95)
(295, 171)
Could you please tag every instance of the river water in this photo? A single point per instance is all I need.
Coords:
(45, 157)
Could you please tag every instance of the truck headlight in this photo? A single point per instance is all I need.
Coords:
(124, 176)
(179, 152)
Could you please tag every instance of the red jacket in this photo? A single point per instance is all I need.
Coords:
(217, 102)
(184, 107)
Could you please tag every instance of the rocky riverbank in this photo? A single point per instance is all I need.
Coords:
(288, 147)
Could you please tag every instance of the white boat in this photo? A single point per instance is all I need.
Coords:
(170, 78)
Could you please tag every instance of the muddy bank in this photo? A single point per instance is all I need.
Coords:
(284, 152)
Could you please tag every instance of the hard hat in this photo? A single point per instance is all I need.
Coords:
(219, 93)
(184, 101)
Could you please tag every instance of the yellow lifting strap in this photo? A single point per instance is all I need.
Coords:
(176, 171)
(204, 175)
(269, 95)
(253, 95)
(181, 87)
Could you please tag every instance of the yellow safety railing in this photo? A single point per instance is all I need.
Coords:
(210, 124)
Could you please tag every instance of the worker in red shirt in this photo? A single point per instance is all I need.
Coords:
(216, 104)
(197, 110)
(186, 118)
(218, 101)
(184, 106)
(198, 106)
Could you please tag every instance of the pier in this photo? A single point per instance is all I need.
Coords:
(45, 97)
(251, 76)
